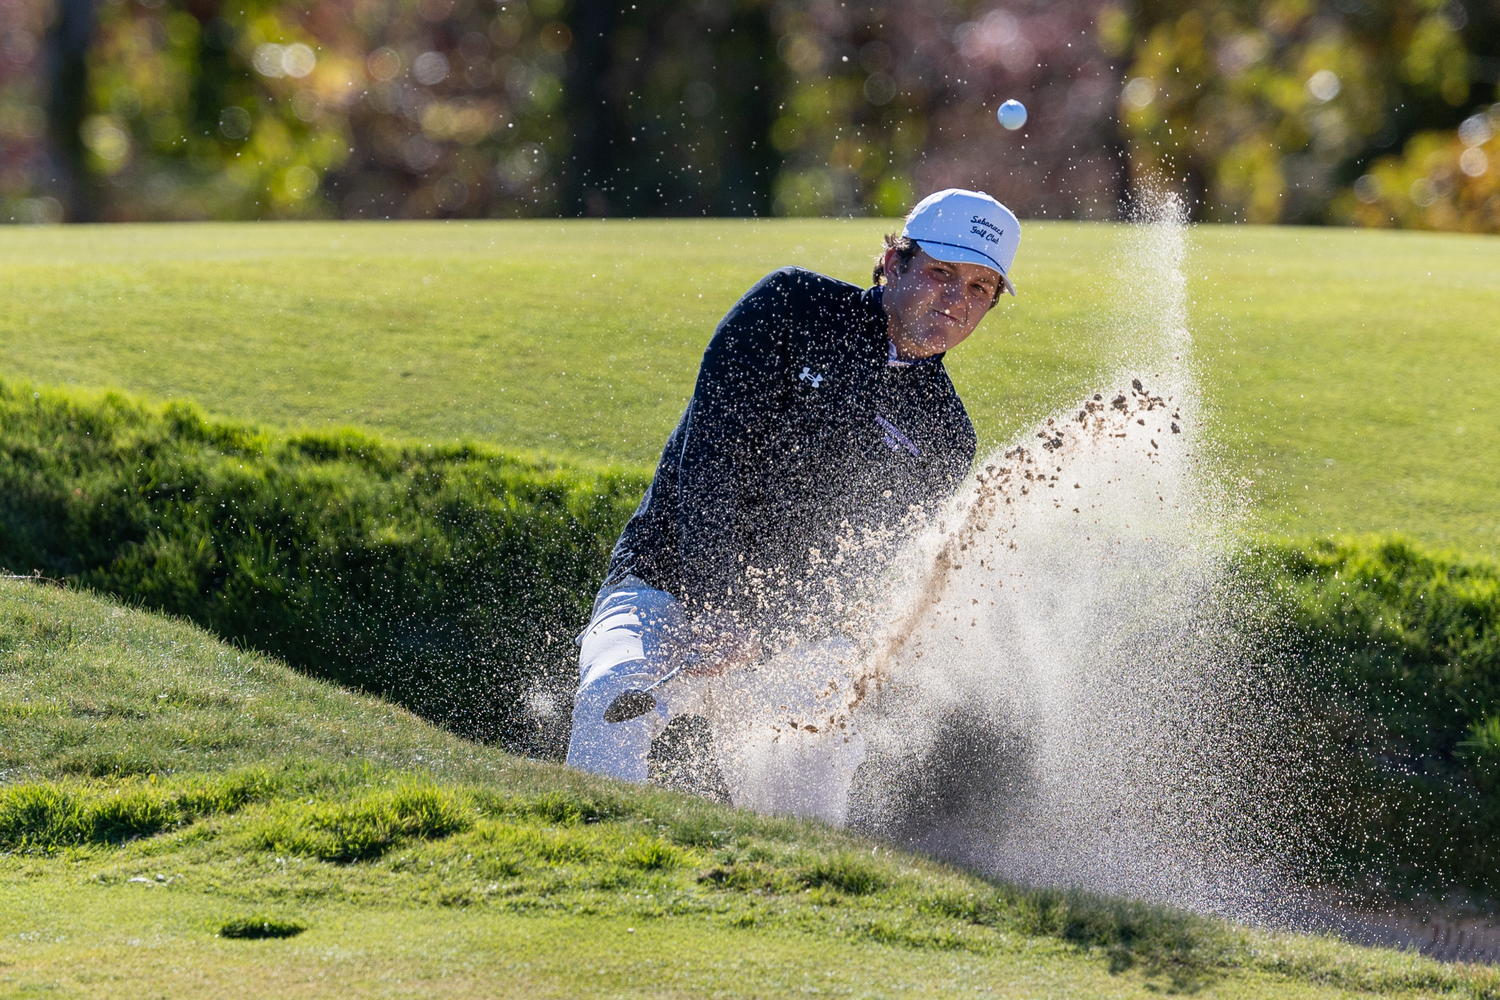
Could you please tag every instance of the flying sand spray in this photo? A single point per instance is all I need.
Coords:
(1049, 685)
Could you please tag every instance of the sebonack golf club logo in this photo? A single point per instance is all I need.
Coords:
(985, 229)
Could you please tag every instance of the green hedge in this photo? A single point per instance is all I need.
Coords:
(450, 579)
(1404, 645)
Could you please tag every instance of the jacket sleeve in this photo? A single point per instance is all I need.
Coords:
(736, 397)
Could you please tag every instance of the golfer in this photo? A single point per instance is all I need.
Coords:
(822, 419)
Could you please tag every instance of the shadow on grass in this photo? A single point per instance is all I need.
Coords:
(258, 927)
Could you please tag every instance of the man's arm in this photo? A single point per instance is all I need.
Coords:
(739, 385)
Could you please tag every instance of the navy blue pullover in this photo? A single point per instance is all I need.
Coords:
(799, 432)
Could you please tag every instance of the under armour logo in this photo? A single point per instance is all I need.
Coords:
(808, 376)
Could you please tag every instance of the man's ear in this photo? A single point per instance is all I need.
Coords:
(892, 264)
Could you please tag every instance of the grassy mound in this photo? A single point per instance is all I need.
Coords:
(451, 579)
(200, 819)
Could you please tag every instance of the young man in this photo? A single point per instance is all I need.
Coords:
(822, 419)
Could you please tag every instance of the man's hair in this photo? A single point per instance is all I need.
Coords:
(906, 248)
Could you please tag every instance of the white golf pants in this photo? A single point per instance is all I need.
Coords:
(635, 638)
(631, 641)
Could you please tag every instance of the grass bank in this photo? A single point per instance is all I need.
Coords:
(186, 817)
(450, 578)
(1395, 650)
(1351, 371)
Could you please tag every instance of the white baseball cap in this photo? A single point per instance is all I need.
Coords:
(966, 227)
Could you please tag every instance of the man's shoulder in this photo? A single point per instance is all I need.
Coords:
(799, 282)
(793, 309)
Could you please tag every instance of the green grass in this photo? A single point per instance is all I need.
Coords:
(1392, 653)
(449, 578)
(182, 818)
(470, 568)
(1351, 371)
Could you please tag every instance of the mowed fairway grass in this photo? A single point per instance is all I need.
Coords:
(1351, 374)
(231, 794)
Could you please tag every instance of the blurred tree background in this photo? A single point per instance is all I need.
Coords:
(1370, 112)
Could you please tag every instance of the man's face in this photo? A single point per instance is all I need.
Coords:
(933, 305)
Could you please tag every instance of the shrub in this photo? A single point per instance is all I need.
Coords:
(450, 579)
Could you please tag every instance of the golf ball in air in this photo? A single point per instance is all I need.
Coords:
(1012, 114)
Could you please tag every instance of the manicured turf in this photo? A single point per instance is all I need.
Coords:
(158, 939)
(167, 798)
(1352, 371)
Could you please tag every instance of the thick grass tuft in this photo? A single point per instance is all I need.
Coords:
(845, 872)
(1128, 931)
(653, 854)
(365, 828)
(46, 817)
(562, 807)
